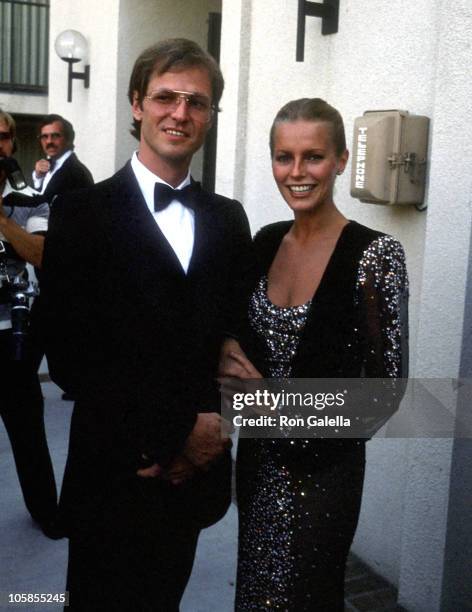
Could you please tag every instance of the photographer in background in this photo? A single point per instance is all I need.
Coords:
(21, 403)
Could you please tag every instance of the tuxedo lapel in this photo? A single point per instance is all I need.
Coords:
(139, 225)
(205, 230)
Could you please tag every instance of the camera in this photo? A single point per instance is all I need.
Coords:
(15, 177)
(16, 290)
(13, 171)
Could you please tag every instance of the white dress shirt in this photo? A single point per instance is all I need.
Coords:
(40, 183)
(176, 221)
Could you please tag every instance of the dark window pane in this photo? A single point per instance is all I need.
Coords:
(24, 33)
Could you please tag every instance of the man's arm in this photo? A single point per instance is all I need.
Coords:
(27, 246)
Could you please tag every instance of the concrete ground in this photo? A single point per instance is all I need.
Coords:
(31, 563)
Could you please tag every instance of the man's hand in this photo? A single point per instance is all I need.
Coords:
(179, 470)
(153, 471)
(41, 168)
(207, 440)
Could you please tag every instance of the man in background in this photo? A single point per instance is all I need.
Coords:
(21, 403)
(58, 173)
(60, 170)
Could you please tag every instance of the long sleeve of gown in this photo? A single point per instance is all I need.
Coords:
(382, 300)
(382, 296)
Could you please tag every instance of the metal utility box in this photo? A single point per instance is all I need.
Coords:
(389, 157)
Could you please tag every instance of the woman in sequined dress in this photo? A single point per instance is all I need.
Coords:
(330, 302)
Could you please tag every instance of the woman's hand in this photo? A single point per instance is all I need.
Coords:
(241, 363)
(234, 363)
(236, 373)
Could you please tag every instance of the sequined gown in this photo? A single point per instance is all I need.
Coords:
(298, 499)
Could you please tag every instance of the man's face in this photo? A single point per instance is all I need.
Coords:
(6, 141)
(6, 145)
(52, 139)
(171, 135)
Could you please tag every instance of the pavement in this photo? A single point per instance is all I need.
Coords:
(31, 563)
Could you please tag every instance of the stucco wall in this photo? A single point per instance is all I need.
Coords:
(404, 55)
(92, 111)
(440, 324)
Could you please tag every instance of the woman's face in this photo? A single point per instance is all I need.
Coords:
(305, 163)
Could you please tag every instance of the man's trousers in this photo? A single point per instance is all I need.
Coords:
(22, 411)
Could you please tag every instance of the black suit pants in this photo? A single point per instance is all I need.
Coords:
(136, 552)
(22, 411)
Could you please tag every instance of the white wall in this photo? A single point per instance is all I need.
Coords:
(92, 111)
(412, 56)
(440, 324)
(235, 58)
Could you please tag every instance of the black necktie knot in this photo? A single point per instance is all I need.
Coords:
(164, 194)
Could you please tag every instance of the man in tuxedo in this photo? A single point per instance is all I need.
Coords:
(60, 171)
(144, 275)
(21, 402)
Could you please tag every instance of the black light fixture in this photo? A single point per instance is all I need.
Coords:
(328, 10)
(71, 47)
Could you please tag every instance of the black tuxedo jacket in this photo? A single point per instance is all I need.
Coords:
(71, 176)
(134, 338)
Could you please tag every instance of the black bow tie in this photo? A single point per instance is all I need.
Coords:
(163, 196)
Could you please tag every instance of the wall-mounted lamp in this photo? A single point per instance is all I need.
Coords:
(71, 47)
(328, 10)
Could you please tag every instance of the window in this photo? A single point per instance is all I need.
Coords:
(24, 39)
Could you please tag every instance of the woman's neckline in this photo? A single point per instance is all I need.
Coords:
(265, 286)
(323, 276)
